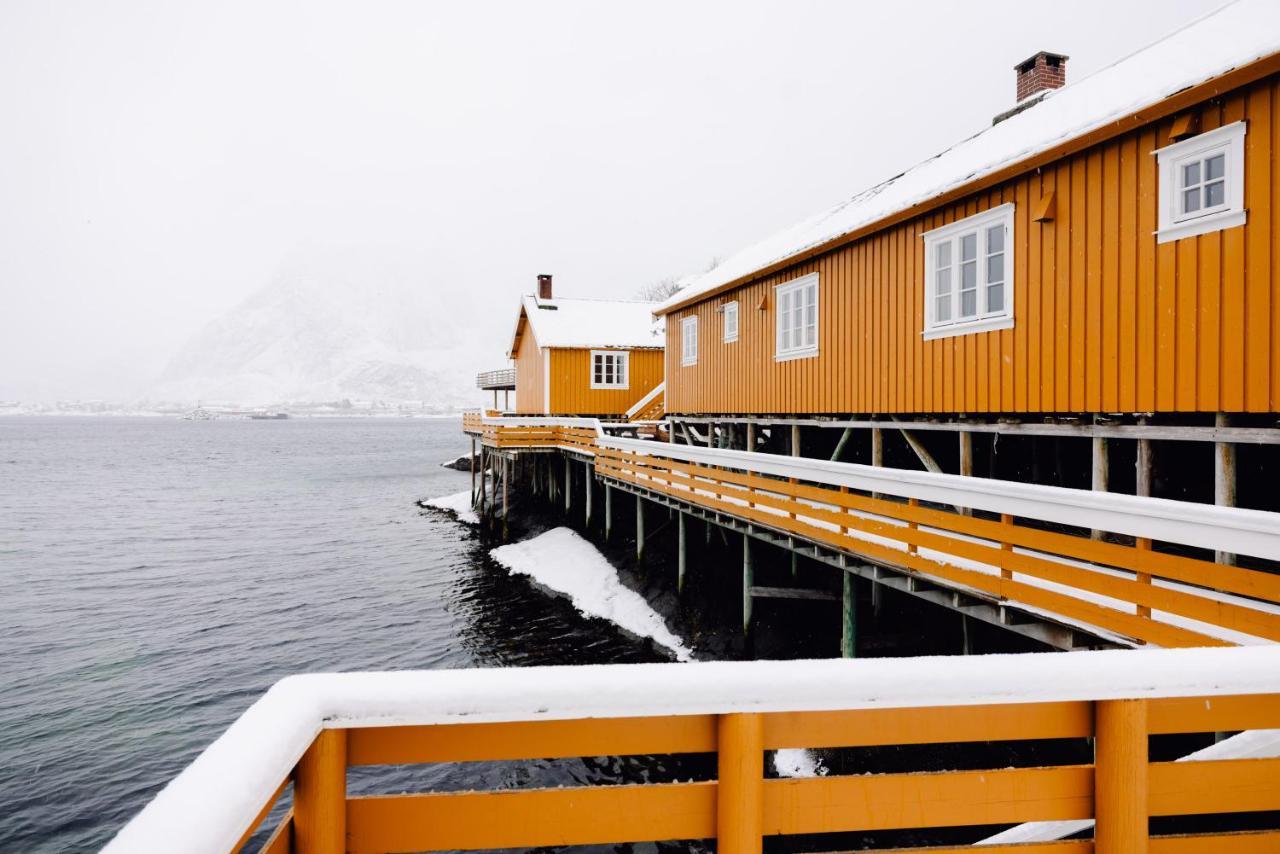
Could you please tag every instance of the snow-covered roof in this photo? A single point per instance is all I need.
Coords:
(1231, 37)
(589, 323)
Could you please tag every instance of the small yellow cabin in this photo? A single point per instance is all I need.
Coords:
(584, 357)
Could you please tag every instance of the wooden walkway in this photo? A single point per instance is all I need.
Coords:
(1133, 570)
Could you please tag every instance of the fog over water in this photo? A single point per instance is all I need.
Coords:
(163, 162)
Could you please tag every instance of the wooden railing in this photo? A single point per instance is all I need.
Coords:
(651, 407)
(473, 422)
(309, 730)
(1154, 581)
(1034, 549)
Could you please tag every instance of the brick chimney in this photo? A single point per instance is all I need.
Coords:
(544, 286)
(1041, 72)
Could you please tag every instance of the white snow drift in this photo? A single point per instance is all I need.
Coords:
(566, 563)
(459, 504)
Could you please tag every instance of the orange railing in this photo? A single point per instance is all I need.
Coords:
(738, 711)
(1023, 553)
(1153, 581)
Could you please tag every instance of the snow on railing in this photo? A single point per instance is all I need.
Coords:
(1227, 529)
(214, 801)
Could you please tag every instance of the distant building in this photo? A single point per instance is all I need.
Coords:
(585, 357)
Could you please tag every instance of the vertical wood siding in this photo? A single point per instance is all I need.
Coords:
(1106, 319)
(571, 391)
(530, 399)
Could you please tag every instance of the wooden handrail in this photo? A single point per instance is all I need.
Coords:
(312, 728)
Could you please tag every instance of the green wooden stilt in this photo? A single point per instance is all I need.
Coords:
(639, 529)
(682, 560)
(568, 484)
(748, 579)
(849, 619)
(586, 516)
(608, 511)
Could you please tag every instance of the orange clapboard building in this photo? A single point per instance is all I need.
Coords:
(1104, 247)
(584, 357)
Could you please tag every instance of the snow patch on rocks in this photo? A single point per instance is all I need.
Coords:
(562, 561)
(459, 504)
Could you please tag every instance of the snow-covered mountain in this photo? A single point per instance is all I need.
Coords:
(322, 335)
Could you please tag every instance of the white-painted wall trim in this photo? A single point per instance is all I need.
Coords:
(215, 798)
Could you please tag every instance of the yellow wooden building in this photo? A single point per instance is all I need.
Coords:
(585, 357)
(1108, 247)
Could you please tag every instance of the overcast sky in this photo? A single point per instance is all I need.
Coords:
(161, 161)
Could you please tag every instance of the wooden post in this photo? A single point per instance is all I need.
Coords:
(966, 461)
(472, 461)
(751, 435)
(844, 440)
(608, 511)
(740, 788)
(484, 482)
(320, 796)
(877, 447)
(1144, 489)
(966, 643)
(748, 579)
(848, 619)
(1224, 480)
(586, 516)
(682, 558)
(1120, 777)
(639, 529)
(568, 483)
(506, 482)
(1101, 469)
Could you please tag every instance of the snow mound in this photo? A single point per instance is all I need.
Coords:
(459, 504)
(566, 563)
(798, 762)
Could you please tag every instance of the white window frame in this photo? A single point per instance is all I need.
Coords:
(621, 370)
(689, 340)
(730, 309)
(787, 291)
(984, 320)
(1174, 224)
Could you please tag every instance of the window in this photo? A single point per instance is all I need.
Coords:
(609, 368)
(968, 269)
(730, 310)
(1202, 183)
(797, 321)
(689, 341)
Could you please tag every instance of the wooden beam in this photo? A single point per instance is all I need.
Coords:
(1101, 471)
(922, 453)
(1167, 432)
(682, 560)
(848, 617)
(844, 440)
(793, 593)
(740, 784)
(1224, 480)
(748, 581)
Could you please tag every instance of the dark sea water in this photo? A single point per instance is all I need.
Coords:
(157, 575)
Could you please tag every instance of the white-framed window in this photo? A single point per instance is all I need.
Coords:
(689, 340)
(610, 368)
(796, 333)
(968, 275)
(1202, 183)
(730, 311)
